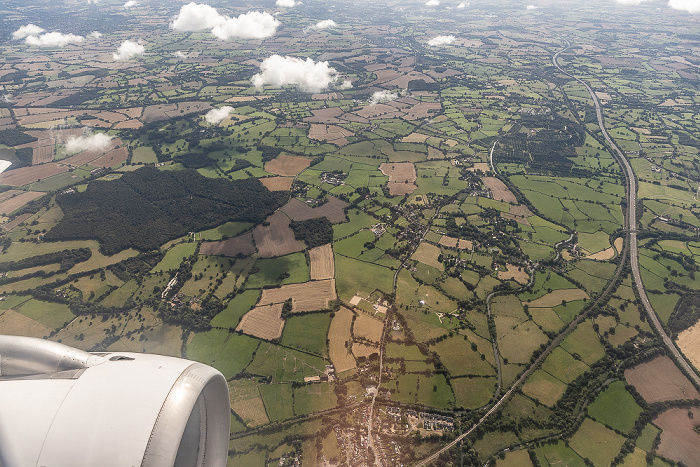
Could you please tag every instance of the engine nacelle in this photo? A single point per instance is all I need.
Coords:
(60, 406)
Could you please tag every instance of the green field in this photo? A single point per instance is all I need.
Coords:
(615, 407)
(289, 269)
(307, 332)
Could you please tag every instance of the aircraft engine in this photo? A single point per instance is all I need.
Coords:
(60, 406)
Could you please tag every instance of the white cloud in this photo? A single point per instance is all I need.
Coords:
(382, 96)
(630, 2)
(691, 6)
(95, 142)
(346, 84)
(308, 75)
(130, 3)
(531, 7)
(128, 50)
(26, 31)
(180, 54)
(285, 3)
(327, 23)
(54, 39)
(432, 3)
(463, 5)
(94, 35)
(200, 17)
(441, 40)
(195, 17)
(215, 116)
(251, 25)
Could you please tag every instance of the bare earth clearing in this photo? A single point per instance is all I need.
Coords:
(453, 242)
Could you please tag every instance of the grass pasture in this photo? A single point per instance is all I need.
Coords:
(615, 407)
(595, 442)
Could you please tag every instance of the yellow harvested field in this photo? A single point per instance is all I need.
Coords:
(483, 166)
(519, 276)
(555, 298)
(322, 262)
(453, 242)
(428, 254)
(363, 350)
(499, 189)
(415, 138)
(689, 343)
(309, 296)
(289, 166)
(368, 327)
(277, 183)
(339, 335)
(263, 321)
(252, 411)
(16, 324)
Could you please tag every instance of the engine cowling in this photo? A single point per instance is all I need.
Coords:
(60, 406)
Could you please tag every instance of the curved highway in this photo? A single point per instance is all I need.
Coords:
(631, 224)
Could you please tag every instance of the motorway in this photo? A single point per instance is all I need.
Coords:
(631, 222)
(630, 225)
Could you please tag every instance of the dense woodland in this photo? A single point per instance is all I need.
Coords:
(146, 208)
(315, 232)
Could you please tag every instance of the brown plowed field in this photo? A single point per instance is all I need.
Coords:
(85, 157)
(331, 133)
(333, 210)
(15, 222)
(276, 239)
(277, 183)
(112, 159)
(309, 296)
(368, 327)
(263, 321)
(25, 175)
(339, 335)
(499, 189)
(322, 262)
(7, 206)
(689, 343)
(402, 177)
(679, 442)
(154, 113)
(289, 166)
(660, 380)
(243, 244)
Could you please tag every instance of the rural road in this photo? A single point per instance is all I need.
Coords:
(632, 227)
(634, 260)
